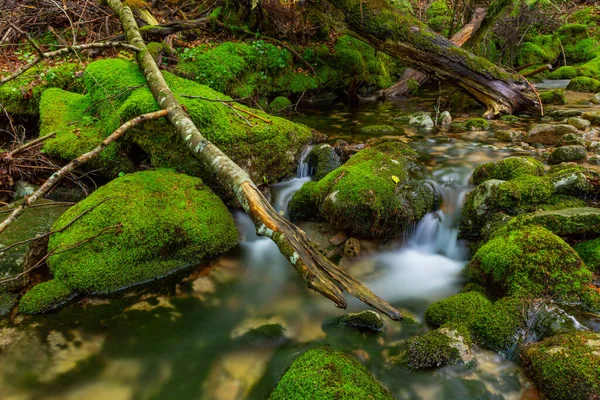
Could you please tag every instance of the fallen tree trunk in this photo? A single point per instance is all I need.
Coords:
(412, 77)
(406, 38)
(318, 271)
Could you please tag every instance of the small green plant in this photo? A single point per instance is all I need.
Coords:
(25, 56)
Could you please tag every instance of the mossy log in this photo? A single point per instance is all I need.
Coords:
(406, 38)
(320, 274)
(411, 76)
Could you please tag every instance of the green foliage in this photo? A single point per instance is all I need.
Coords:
(540, 49)
(44, 297)
(565, 366)
(532, 261)
(361, 196)
(325, 374)
(280, 104)
(188, 224)
(438, 16)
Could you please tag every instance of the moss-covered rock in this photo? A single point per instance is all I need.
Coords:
(540, 49)
(443, 346)
(589, 251)
(584, 84)
(568, 154)
(548, 133)
(565, 366)
(280, 104)
(507, 169)
(567, 222)
(460, 308)
(324, 160)
(377, 129)
(596, 99)
(571, 139)
(477, 124)
(365, 321)
(421, 120)
(592, 116)
(530, 261)
(124, 245)
(378, 192)
(556, 97)
(574, 180)
(566, 72)
(323, 373)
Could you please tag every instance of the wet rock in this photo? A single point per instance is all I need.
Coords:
(443, 346)
(556, 96)
(477, 124)
(445, 119)
(593, 117)
(352, 248)
(507, 169)
(509, 118)
(7, 303)
(323, 373)
(594, 159)
(571, 139)
(574, 180)
(260, 328)
(364, 321)
(324, 159)
(568, 154)
(345, 150)
(421, 120)
(584, 221)
(509, 135)
(558, 115)
(579, 123)
(596, 98)
(565, 366)
(23, 189)
(338, 239)
(548, 133)
(377, 129)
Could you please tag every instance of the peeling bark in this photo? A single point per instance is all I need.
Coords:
(320, 273)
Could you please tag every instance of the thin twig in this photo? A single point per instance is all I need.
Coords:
(28, 145)
(251, 114)
(57, 176)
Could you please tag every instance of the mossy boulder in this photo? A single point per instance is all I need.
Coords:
(530, 261)
(568, 154)
(589, 251)
(596, 99)
(556, 97)
(443, 346)
(421, 120)
(558, 115)
(509, 135)
(566, 72)
(378, 192)
(324, 159)
(477, 124)
(565, 366)
(571, 139)
(364, 321)
(578, 222)
(592, 116)
(507, 169)
(280, 104)
(120, 244)
(548, 133)
(584, 84)
(327, 374)
(540, 49)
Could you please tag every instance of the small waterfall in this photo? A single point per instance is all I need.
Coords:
(304, 169)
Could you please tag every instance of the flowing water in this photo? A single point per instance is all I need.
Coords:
(184, 339)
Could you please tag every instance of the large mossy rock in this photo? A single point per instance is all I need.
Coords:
(507, 169)
(444, 346)
(117, 92)
(326, 374)
(378, 192)
(565, 366)
(161, 222)
(532, 262)
(583, 222)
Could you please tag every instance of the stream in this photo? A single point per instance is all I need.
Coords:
(184, 339)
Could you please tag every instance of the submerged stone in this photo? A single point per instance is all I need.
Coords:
(119, 243)
(592, 116)
(326, 374)
(368, 320)
(558, 115)
(565, 366)
(596, 99)
(377, 193)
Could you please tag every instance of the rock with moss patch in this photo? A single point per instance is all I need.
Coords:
(592, 116)
(364, 321)
(477, 124)
(584, 84)
(509, 135)
(377, 129)
(566, 222)
(548, 133)
(279, 105)
(556, 97)
(579, 123)
(565, 72)
(509, 118)
(327, 374)
(565, 366)
(558, 115)
(120, 244)
(378, 192)
(507, 169)
(589, 251)
(443, 346)
(571, 139)
(421, 120)
(445, 119)
(324, 159)
(596, 99)
(568, 154)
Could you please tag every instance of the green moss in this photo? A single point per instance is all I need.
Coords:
(323, 373)
(439, 16)
(366, 321)
(325, 159)
(522, 193)
(556, 96)
(477, 124)
(280, 104)
(568, 154)
(498, 328)
(566, 72)
(591, 68)
(70, 116)
(568, 222)
(589, 251)
(560, 202)
(540, 49)
(377, 129)
(188, 224)
(579, 47)
(509, 118)
(430, 350)
(21, 96)
(44, 297)
(378, 192)
(507, 169)
(530, 260)
(584, 84)
(565, 366)
(460, 308)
